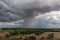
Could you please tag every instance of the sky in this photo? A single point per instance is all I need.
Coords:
(29, 13)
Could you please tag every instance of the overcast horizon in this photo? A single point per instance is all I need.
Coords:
(29, 13)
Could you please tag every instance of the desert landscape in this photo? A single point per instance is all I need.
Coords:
(30, 34)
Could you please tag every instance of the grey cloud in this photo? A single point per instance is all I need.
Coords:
(6, 15)
(28, 9)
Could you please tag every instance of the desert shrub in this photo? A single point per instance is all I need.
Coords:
(26, 38)
(14, 33)
(30, 38)
(15, 39)
(51, 36)
(7, 37)
(42, 38)
(21, 38)
(38, 32)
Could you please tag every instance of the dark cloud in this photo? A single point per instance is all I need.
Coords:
(26, 9)
(6, 15)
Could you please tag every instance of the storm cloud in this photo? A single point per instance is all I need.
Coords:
(13, 10)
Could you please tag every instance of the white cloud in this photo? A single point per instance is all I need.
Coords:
(49, 20)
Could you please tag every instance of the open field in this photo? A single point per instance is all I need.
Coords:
(30, 34)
